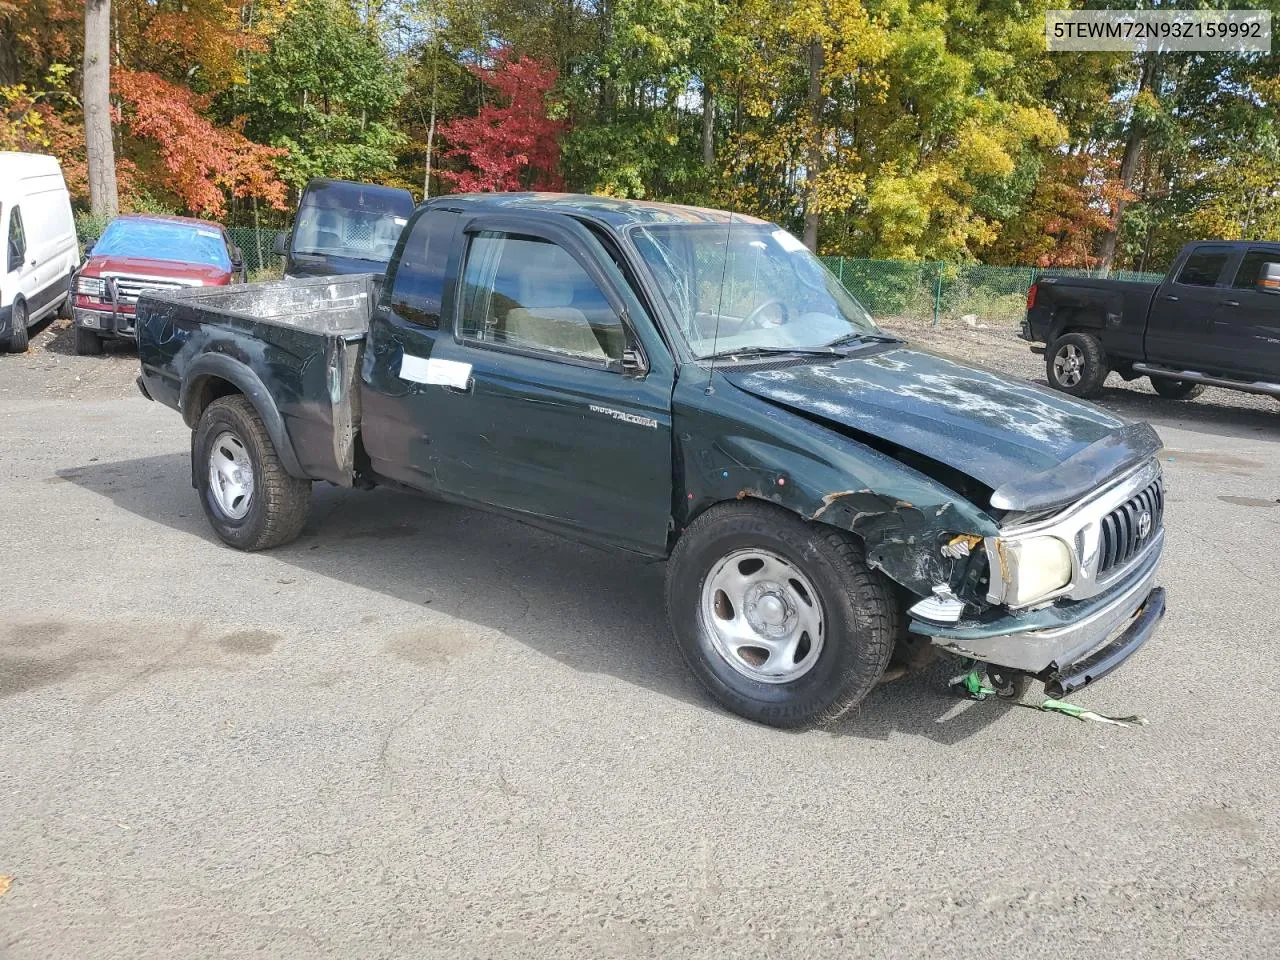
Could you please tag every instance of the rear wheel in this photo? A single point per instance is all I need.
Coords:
(250, 499)
(18, 336)
(781, 620)
(1077, 364)
(88, 343)
(1176, 389)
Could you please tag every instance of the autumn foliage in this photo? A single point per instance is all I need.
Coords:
(200, 160)
(1067, 214)
(513, 144)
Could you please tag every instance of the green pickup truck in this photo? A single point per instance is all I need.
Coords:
(691, 386)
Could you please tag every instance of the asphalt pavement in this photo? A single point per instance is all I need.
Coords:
(422, 731)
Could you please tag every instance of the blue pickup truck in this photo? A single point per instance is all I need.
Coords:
(691, 386)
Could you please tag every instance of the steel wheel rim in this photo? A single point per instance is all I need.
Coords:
(1068, 364)
(231, 475)
(763, 616)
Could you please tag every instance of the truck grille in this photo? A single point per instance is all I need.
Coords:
(129, 288)
(1125, 533)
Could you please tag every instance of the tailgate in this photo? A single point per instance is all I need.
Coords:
(299, 342)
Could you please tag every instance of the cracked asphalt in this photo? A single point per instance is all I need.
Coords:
(424, 732)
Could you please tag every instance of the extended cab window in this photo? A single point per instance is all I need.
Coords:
(1203, 267)
(530, 293)
(1251, 268)
(17, 240)
(418, 287)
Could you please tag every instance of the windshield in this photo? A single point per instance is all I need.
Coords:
(164, 240)
(355, 220)
(749, 287)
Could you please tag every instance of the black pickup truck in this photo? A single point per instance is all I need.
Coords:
(343, 227)
(1213, 321)
(694, 386)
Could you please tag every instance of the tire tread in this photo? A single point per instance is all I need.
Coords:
(1096, 365)
(868, 594)
(285, 499)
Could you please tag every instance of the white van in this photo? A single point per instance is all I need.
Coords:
(40, 251)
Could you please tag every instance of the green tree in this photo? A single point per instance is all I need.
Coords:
(326, 90)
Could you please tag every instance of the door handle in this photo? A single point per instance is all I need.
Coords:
(1230, 303)
(1169, 296)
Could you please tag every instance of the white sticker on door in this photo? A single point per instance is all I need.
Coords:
(445, 373)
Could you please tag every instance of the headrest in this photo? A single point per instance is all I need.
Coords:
(549, 278)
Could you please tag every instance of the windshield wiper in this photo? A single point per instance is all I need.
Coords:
(772, 351)
(849, 338)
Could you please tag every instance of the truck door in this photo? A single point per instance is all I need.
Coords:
(1182, 323)
(1247, 339)
(544, 392)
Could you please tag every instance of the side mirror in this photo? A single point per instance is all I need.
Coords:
(281, 247)
(1269, 278)
(88, 247)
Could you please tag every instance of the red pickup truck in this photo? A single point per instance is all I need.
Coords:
(146, 252)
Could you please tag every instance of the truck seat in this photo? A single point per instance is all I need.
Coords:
(546, 316)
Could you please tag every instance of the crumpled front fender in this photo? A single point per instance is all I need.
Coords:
(732, 445)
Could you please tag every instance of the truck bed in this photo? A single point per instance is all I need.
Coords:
(298, 340)
(1116, 308)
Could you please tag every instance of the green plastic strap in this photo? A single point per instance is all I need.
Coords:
(971, 683)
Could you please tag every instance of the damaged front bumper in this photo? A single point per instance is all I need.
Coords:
(1068, 645)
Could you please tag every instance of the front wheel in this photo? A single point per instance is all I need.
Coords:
(1076, 364)
(88, 342)
(781, 620)
(250, 499)
(1176, 389)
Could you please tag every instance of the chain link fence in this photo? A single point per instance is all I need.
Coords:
(892, 289)
(255, 245)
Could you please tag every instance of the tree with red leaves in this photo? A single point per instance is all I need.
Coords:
(513, 145)
(201, 162)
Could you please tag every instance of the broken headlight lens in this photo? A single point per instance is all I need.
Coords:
(90, 287)
(1033, 568)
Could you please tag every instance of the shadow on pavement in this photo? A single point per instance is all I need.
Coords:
(593, 610)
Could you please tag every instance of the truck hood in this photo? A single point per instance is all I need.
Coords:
(147, 267)
(1034, 448)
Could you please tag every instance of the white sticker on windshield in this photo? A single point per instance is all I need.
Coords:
(208, 233)
(787, 242)
(444, 373)
(399, 221)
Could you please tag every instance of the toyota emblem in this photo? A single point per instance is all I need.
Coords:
(1144, 525)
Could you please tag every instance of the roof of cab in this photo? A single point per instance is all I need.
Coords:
(616, 213)
(170, 218)
(329, 181)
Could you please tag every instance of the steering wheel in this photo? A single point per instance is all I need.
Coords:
(752, 320)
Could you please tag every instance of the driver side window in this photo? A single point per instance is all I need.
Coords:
(17, 240)
(529, 293)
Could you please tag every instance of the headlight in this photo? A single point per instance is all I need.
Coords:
(91, 287)
(1032, 569)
